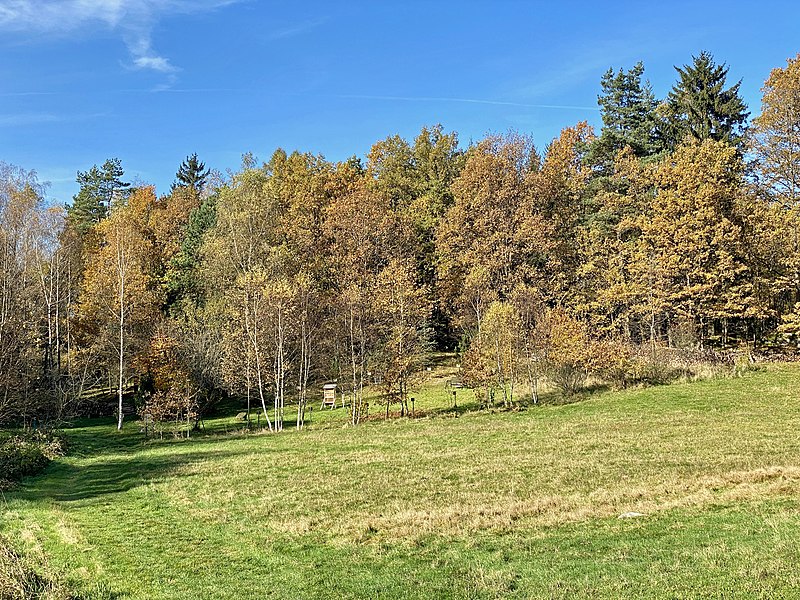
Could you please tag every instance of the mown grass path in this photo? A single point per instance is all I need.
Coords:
(517, 504)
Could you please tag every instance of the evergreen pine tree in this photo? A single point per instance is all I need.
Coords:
(192, 173)
(181, 278)
(628, 108)
(100, 187)
(700, 105)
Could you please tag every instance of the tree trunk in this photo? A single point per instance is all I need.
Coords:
(121, 364)
(120, 381)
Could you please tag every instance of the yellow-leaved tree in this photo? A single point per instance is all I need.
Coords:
(119, 301)
(491, 239)
(496, 356)
(775, 135)
(402, 308)
(775, 146)
(694, 239)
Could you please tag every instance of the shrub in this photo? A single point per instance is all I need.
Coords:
(616, 362)
(173, 410)
(570, 355)
(26, 454)
(657, 364)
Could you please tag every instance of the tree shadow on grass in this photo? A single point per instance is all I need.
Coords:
(559, 398)
(229, 426)
(95, 437)
(92, 437)
(466, 402)
(70, 482)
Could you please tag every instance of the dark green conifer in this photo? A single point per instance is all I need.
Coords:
(628, 109)
(100, 188)
(192, 173)
(701, 106)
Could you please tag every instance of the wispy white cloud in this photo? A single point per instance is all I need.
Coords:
(132, 19)
(25, 119)
(64, 15)
(13, 94)
(140, 44)
(156, 63)
(296, 29)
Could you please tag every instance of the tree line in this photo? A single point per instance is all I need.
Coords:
(675, 226)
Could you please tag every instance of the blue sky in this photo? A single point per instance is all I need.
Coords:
(150, 81)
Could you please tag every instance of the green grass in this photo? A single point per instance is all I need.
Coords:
(457, 504)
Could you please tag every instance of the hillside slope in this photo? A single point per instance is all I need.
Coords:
(517, 504)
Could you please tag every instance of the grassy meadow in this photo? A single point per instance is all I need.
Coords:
(459, 503)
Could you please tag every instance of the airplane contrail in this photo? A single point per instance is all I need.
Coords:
(466, 101)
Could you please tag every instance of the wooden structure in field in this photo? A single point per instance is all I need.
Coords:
(328, 395)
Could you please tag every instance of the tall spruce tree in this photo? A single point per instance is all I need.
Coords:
(702, 107)
(192, 173)
(100, 188)
(628, 109)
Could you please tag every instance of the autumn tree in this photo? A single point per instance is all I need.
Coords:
(309, 311)
(43, 371)
(21, 308)
(118, 300)
(390, 165)
(235, 248)
(694, 235)
(569, 353)
(529, 309)
(495, 356)
(265, 302)
(558, 191)
(169, 222)
(437, 163)
(363, 234)
(171, 394)
(775, 135)
(262, 260)
(302, 183)
(615, 290)
(769, 234)
(403, 309)
(773, 215)
(417, 178)
(491, 238)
